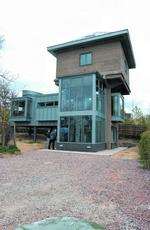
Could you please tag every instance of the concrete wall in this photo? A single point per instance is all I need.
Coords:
(108, 58)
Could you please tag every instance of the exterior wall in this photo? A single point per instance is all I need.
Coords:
(38, 115)
(124, 70)
(107, 59)
(46, 113)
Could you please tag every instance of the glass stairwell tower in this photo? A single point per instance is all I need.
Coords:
(81, 121)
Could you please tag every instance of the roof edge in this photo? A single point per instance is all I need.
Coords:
(122, 35)
(86, 39)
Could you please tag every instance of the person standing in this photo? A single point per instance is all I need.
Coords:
(52, 139)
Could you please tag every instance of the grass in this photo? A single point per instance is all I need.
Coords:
(12, 149)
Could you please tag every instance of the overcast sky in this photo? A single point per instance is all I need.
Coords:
(29, 26)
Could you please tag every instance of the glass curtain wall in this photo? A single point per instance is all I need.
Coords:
(100, 129)
(100, 108)
(76, 129)
(76, 94)
(114, 134)
(117, 105)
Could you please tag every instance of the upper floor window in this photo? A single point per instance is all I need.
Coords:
(76, 93)
(86, 59)
(48, 104)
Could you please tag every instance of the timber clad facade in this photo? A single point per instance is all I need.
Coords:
(92, 74)
(106, 59)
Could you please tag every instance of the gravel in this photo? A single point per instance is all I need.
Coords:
(101, 189)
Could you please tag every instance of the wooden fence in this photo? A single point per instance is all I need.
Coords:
(130, 131)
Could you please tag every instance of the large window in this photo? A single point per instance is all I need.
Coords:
(117, 105)
(100, 129)
(85, 59)
(100, 106)
(114, 134)
(64, 129)
(76, 129)
(114, 105)
(76, 93)
(18, 108)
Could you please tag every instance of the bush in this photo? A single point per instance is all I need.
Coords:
(12, 149)
(144, 149)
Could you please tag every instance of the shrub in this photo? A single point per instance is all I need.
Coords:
(12, 149)
(144, 149)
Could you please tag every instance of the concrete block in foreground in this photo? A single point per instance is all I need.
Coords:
(61, 223)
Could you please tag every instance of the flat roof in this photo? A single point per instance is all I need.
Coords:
(121, 35)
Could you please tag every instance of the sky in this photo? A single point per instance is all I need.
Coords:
(29, 26)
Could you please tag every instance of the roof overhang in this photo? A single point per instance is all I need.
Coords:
(118, 84)
(122, 36)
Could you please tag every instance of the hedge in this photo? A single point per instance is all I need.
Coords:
(144, 149)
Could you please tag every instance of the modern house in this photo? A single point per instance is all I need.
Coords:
(92, 74)
(35, 110)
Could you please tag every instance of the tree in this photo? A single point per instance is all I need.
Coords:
(138, 116)
(7, 94)
(146, 122)
(6, 97)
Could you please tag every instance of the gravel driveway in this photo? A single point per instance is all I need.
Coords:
(41, 184)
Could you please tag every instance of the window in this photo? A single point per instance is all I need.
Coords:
(64, 122)
(85, 59)
(76, 129)
(117, 105)
(114, 105)
(114, 134)
(87, 129)
(55, 103)
(76, 93)
(41, 104)
(100, 129)
(100, 106)
(18, 108)
(48, 104)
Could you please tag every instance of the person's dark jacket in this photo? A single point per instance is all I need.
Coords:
(53, 135)
(48, 134)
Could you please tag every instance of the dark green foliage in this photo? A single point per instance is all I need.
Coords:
(144, 149)
(12, 149)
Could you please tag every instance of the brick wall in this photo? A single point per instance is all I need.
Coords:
(107, 59)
